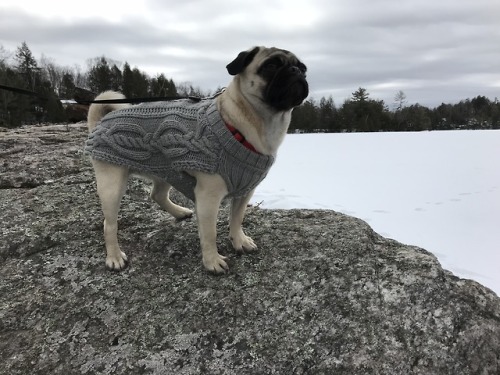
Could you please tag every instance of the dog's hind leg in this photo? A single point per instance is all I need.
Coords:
(160, 194)
(111, 186)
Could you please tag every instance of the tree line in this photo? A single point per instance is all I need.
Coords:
(53, 83)
(359, 113)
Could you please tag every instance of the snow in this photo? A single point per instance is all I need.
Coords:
(437, 190)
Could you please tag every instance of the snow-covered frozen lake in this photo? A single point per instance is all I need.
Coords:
(436, 190)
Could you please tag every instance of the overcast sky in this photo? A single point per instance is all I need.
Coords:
(433, 50)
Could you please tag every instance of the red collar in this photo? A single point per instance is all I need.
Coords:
(240, 138)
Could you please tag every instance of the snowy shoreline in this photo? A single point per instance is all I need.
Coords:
(438, 190)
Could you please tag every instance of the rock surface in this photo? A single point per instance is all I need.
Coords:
(324, 295)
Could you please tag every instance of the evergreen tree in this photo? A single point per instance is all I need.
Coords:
(29, 109)
(495, 114)
(305, 117)
(443, 117)
(99, 76)
(482, 111)
(360, 95)
(50, 108)
(161, 86)
(128, 81)
(67, 90)
(327, 114)
(140, 83)
(27, 66)
(363, 114)
(14, 108)
(116, 78)
(417, 118)
(135, 83)
(172, 89)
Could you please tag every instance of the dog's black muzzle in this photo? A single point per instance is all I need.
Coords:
(287, 89)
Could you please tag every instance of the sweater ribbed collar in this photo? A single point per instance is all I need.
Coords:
(232, 146)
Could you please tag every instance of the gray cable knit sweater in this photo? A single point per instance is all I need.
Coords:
(168, 138)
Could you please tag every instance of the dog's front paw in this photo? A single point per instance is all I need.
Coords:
(116, 262)
(215, 263)
(242, 243)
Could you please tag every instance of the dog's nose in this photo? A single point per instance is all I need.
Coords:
(295, 70)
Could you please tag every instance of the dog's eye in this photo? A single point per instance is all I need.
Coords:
(273, 64)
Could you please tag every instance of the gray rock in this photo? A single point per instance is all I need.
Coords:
(324, 295)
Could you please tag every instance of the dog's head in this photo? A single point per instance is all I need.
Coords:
(275, 76)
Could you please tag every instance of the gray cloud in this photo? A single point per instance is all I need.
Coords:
(435, 51)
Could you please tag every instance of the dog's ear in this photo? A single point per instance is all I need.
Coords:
(241, 61)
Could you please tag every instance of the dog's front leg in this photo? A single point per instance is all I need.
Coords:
(241, 242)
(209, 192)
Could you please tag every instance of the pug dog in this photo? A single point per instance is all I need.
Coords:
(212, 149)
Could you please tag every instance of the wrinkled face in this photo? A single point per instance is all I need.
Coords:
(275, 76)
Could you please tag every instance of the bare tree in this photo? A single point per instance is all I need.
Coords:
(80, 77)
(4, 56)
(51, 72)
(400, 100)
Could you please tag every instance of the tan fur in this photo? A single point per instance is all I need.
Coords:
(240, 106)
(98, 111)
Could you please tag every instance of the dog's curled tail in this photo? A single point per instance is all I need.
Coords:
(98, 111)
